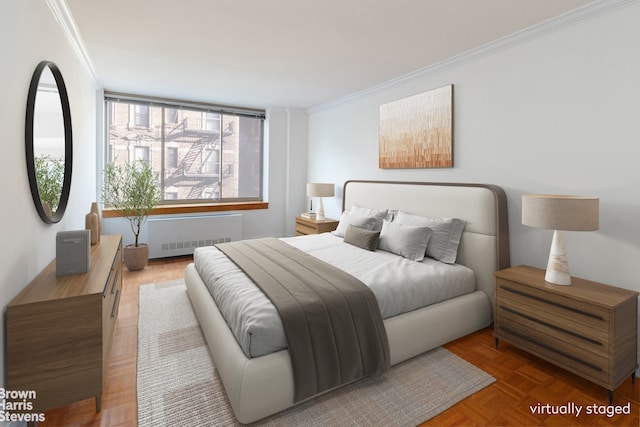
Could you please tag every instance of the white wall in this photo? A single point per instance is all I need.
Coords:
(29, 34)
(287, 165)
(557, 114)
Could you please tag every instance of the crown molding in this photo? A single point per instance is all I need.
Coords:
(567, 19)
(61, 12)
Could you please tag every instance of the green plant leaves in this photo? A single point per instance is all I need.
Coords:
(132, 188)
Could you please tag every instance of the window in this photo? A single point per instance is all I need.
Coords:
(212, 122)
(172, 158)
(172, 115)
(141, 115)
(202, 153)
(141, 153)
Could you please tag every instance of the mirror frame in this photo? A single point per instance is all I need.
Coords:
(68, 142)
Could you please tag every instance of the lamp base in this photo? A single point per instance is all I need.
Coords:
(320, 213)
(558, 267)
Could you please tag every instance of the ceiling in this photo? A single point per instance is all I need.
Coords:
(286, 53)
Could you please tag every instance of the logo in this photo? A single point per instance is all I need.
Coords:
(17, 405)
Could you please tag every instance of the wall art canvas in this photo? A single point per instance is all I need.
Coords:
(417, 131)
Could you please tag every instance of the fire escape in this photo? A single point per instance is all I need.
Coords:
(197, 169)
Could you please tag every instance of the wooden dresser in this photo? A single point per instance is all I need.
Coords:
(587, 328)
(59, 330)
(313, 226)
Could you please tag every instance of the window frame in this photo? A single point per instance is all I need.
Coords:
(189, 205)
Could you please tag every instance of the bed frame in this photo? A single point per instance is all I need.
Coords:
(261, 386)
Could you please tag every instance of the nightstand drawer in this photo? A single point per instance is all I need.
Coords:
(302, 229)
(587, 364)
(565, 312)
(530, 326)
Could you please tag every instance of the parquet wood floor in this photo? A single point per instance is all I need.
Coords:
(119, 401)
(523, 381)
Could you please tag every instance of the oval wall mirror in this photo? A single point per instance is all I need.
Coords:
(48, 142)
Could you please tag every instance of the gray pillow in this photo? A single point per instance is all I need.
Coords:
(378, 214)
(347, 218)
(361, 237)
(408, 241)
(445, 239)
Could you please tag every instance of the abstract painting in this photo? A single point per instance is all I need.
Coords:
(417, 131)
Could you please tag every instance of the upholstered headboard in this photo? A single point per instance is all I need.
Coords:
(484, 246)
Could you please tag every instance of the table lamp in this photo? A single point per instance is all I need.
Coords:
(560, 213)
(320, 191)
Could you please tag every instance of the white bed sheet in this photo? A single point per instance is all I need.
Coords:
(400, 285)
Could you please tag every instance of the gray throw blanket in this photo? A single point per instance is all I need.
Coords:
(331, 320)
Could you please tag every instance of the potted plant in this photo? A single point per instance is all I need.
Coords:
(133, 189)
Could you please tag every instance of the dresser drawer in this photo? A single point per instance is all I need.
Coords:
(112, 289)
(110, 311)
(110, 304)
(114, 275)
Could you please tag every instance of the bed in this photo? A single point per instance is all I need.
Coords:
(260, 386)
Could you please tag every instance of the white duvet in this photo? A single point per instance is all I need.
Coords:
(400, 285)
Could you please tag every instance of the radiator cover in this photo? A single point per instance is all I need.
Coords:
(175, 236)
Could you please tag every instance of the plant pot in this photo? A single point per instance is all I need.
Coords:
(135, 257)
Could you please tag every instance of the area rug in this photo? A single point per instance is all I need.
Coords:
(177, 383)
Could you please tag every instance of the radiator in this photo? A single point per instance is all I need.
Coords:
(169, 237)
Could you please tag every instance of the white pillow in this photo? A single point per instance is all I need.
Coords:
(408, 241)
(445, 239)
(347, 218)
(378, 214)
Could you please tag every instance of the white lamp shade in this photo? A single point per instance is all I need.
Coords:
(320, 190)
(555, 212)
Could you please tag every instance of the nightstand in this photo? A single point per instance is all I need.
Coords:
(312, 226)
(587, 328)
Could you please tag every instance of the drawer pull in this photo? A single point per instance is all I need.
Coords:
(575, 310)
(550, 325)
(548, 347)
(115, 281)
(106, 285)
(115, 304)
